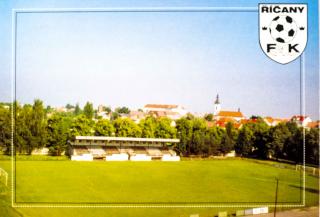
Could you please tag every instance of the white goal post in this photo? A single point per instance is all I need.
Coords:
(4, 176)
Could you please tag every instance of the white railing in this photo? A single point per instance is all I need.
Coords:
(4, 176)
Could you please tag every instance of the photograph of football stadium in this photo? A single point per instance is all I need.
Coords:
(159, 108)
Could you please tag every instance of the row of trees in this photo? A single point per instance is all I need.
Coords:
(90, 112)
(37, 127)
(254, 139)
(34, 128)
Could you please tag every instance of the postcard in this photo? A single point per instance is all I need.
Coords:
(159, 108)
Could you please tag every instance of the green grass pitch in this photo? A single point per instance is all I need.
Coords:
(188, 181)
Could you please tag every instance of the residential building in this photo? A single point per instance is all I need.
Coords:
(104, 115)
(163, 110)
(314, 124)
(270, 121)
(137, 116)
(301, 121)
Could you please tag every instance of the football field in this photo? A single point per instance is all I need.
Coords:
(188, 182)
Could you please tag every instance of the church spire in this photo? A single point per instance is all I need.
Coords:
(217, 106)
(217, 100)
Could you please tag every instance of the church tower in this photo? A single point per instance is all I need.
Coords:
(217, 106)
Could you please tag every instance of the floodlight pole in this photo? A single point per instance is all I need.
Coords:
(276, 199)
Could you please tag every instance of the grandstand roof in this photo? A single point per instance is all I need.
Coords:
(127, 139)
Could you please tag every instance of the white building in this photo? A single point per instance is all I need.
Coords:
(137, 116)
(301, 121)
(171, 111)
(224, 114)
(274, 121)
(100, 108)
(104, 115)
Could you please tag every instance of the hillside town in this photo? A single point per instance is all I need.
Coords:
(219, 116)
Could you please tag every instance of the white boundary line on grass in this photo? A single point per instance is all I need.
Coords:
(154, 206)
(142, 9)
(303, 112)
(13, 62)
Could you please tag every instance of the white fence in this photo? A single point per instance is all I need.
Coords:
(4, 176)
(83, 157)
(117, 157)
(311, 170)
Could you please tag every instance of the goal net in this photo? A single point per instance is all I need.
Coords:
(3, 177)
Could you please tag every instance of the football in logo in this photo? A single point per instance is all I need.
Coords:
(283, 29)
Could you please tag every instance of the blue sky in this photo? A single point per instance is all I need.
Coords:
(133, 59)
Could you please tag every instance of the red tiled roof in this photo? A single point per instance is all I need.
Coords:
(244, 121)
(237, 125)
(314, 124)
(221, 123)
(278, 120)
(230, 114)
(226, 119)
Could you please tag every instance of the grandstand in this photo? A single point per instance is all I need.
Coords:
(89, 148)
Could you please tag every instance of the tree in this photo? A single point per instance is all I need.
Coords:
(37, 125)
(58, 134)
(125, 127)
(164, 128)
(69, 106)
(22, 131)
(278, 137)
(114, 116)
(104, 128)
(244, 142)
(49, 109)
(77, 109)
(148, 127)
(122, 110)
(190, 116)
(184, 128)
(198, 137)
(296, 143)
(260, 138)
(88, 110)
(257, 118)
(229, 139)
(293, 147)
(312, 146)
(208, 117)
(213, 140)
(82, 126)
(107, 109)
(5, 129)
